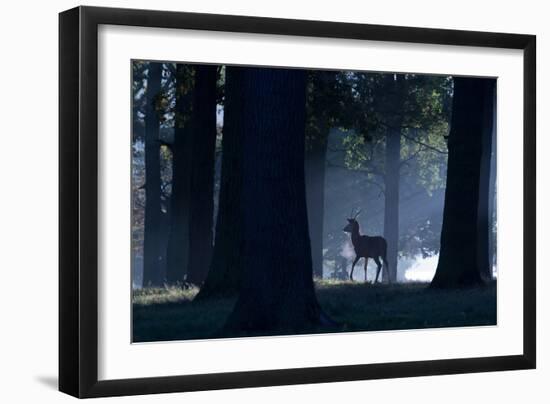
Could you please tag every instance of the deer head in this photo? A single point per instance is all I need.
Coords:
(352, 223)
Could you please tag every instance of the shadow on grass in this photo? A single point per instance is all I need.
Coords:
(170, 314)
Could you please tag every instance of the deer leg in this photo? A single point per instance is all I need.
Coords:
(366, 263)
(379, 266)
(352, 267)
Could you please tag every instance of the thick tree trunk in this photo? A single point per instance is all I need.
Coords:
(391, 201)
(224, 276)
(178, 241)
(486, 189)
(152, 253)
(396, 102)
(458, 259)
(202, 173)
(315, 192)
(277, 293)
(319, 116)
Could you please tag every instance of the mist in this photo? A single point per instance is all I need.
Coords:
(347, 189)
(354, 175)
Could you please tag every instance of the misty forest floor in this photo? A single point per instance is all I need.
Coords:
(166, 314)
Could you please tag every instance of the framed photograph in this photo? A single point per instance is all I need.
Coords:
(251, 201)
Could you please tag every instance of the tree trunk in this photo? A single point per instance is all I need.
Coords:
(178, 242)
(391, 200)
(277, 293)
(458, 259)
(152, 254)
(202, 173)
(396, 94)
(315, 192)
(486, 189)
(319, 116)
(224, 276)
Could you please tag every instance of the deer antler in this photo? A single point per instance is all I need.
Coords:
(357, 214)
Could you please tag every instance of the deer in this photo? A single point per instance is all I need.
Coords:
(374, 247)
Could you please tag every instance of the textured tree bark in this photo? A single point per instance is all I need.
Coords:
(486, 186)
(315, 192)
(276, 293)
(178, 241)
(391, 168)
(202, 173)
(224, 276)
(153, 268)
(458, 264)
(320, 113)
(391, 200)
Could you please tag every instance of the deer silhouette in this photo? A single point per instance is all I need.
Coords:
(366, 247)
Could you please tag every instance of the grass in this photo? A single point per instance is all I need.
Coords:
(166, 314)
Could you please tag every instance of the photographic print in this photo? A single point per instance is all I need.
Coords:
(281, 201)
(249, 201)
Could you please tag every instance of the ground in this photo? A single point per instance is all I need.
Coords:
(170, 314)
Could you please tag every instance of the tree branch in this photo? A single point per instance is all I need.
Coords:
(368, 180)
(427, 146)
(411, 157)
(362, 170)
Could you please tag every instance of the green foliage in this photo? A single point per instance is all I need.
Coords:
(166, 166)
(328, 95)
(424, 155)
(418, 107)
(362, 106)
(139, 85)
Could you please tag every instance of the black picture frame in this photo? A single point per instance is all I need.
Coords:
(78, 201)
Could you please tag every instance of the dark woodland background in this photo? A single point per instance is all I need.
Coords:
(243, 180)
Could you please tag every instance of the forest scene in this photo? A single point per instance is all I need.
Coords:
(279, 201)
